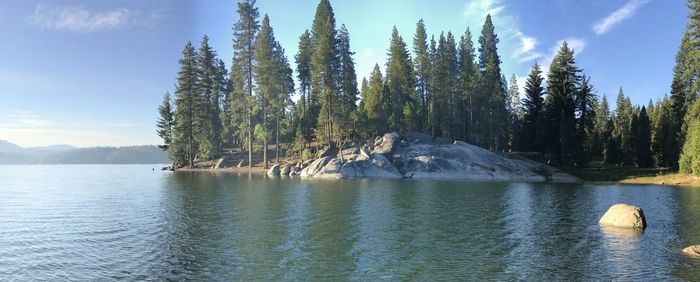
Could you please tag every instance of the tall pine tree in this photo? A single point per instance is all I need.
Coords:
(242, 71)
(184, 147)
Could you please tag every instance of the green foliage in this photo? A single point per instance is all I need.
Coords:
(421, 66)
(207, 118)
(560, 106)
(468, 86)
(641, 130)
(306, 154)
(402, 104)
(184, 147)
(690, 157)
(242, 72)
(325, 65)
(602, 131)
(375, 101)
(494, 121)
(165, 122)
(533, 104)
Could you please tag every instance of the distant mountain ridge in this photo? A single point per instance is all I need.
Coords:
(66, 154)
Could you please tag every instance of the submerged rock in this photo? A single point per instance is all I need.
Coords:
(692, 250)
(624, 216)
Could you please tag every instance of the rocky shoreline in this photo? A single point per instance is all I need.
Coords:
(419, 156)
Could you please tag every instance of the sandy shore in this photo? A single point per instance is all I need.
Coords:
(666, 179)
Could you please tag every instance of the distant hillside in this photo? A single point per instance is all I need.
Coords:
(66, 154)
(109, 155)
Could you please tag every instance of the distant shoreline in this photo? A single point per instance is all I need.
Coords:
(255, 169)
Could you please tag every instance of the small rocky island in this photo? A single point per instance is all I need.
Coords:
(419, 156)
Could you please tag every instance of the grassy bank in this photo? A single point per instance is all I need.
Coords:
(636, 175)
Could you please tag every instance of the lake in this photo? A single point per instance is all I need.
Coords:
(105, 222)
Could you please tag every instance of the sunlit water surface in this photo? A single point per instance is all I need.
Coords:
(129, 222)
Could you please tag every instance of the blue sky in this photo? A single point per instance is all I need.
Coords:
(90, 73)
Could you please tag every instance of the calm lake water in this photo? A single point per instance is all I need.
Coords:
(128, 222)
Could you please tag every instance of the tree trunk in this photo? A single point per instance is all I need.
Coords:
(264, 113)
(277, 139)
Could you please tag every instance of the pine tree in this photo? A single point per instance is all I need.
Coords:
(307, 104)
(495, 118)
(560, 105)
(622, 130)
(690, 157)
(514, 113)
(585, 113)
(165, 122)
(242, 71)
(642, 135)
(184, 147)
(432, 87)
(468, 87)
(348, 84)
(284, 88)
(601, 129)
(662, 134)
(267, 77)
(324, 72)
(225, 87)
(375, 103)
(400, 82)
(208, 123)
(421, 67)
(533, 105)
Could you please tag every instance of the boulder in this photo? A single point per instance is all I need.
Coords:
(394, 157)
(286, 169)
(692, 250)
(386, 144)
(364, 153)
(327, 152)
(274, 170)
(314, 167)
(375, 167)
(624, 216)
(294, 171)
(219, 163)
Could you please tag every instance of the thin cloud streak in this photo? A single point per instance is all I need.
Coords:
(618, 16)
(81, 20)
(523, 46)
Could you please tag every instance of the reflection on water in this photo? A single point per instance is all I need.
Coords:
(128, 222)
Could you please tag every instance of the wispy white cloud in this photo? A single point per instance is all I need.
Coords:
(82, 20)
(24, 119)
(522, 47)
(619, 15)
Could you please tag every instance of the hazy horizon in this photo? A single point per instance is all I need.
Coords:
(87, 73)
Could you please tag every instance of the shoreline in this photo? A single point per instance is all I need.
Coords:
(251, 170)
(669, 179)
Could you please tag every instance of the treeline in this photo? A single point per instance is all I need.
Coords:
(444, 86)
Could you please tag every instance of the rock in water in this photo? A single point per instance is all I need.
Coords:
(692, 250)
(274, 170)
(286, 169)
(624, 216)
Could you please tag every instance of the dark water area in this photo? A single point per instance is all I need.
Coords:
(112, 222)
